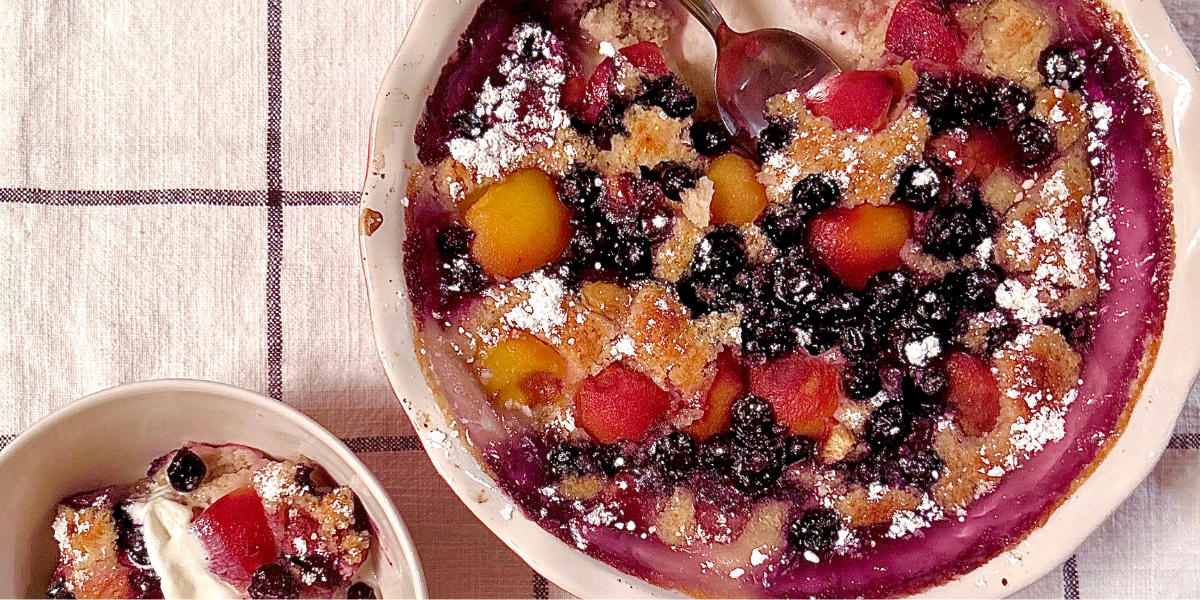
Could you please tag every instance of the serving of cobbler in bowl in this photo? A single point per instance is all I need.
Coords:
(865, 357)
(113, 496)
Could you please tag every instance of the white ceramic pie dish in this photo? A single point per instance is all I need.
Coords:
(113, 435)
(431, 39)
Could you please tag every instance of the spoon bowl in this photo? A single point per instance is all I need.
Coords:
(755, 66)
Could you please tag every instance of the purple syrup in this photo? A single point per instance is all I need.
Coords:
(106, 498)
(1129, 317)
(477, 58)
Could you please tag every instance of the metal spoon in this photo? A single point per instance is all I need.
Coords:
(756, 65)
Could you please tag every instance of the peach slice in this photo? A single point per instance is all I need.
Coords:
(738, 197)
(856, 243)
(803, 390)
(521, 371)
(728, 385)
(974, 391)
(855, 99)
(619, 403)
(519, 224)
(923, 30)
(648, 57)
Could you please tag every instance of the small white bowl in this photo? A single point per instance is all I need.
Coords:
(433, 36)
(112, 436)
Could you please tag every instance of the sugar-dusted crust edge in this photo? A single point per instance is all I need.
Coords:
(1114, 23)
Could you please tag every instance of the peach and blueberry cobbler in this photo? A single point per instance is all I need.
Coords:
(862, 359)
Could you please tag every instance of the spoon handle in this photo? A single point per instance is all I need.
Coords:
(706, 13)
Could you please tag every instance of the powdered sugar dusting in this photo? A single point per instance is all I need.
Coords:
(542, 310)
(521, 113)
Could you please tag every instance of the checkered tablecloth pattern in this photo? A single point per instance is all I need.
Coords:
(178, 198)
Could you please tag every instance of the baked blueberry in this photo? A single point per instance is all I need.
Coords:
(563, 459)
(671, 95)
(955, 230)
(814, 531)
(919, 186)
(772, 139)
(816, 192)
(836, 305)
(655, 222)
(886, 294)
(59, 590)
(361, 590)
(1013, 101)
(1001, 333)
(889, 425)
(145, 584)
(630, 255)
(589, 238)
(318, 569)
(817, 338)
(799, 447)
(716, 453)
(757, 468)
(610, 122)
(608, 458)
(676, 179)
(581, 189)
(455, 240)
(923, 389)
(466, 124)
(956, 99)
(860, 338)
(784, 225)
(186, 471)
(273, 580)
(767, 330)
(794, 283)
(753, 419)
(674, 454)
(461, 276)
(921, 468)
(710, 138)
(704, 295)
(1064, 67)
(878, 467)
(1034, 141)
(721, 254)
(974, 289)
(860, 380)
(129, 536)
(934, 307)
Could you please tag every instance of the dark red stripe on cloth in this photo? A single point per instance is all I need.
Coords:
(1185, 441)
(274, 198)
(383, 443)
(358, 445)
(321, 198)
(132, 197)
(247, 198)
(541, 587)
(1070, 579)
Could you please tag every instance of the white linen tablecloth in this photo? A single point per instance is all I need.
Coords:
(178, 198)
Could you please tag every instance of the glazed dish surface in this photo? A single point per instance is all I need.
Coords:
(861, 359)
(214, 522)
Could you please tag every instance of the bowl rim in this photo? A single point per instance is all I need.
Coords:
(1128, 460)
(367, 481)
